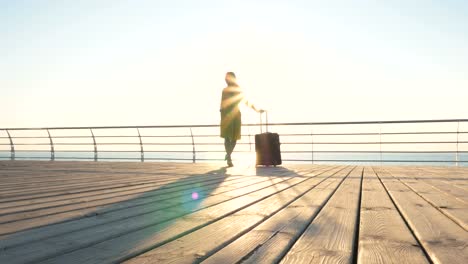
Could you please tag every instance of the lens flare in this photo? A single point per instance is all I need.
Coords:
(194, 196)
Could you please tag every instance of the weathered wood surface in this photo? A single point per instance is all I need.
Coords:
(383, 234)
(108, 212)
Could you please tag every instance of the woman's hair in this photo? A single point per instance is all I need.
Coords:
(231, 78)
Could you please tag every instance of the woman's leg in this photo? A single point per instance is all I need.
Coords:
(233, 145)
(229, 145)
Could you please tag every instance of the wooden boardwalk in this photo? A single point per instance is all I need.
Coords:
(107, 212)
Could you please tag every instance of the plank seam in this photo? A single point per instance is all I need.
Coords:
(358, 223)
(180, 234)
(212, 252)
(281, 256)
(429, 202)
(426, 254)
(115, 194)
(125, 218)
(114, 210)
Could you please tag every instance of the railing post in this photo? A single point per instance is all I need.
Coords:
(457, 157)
(52, 151)
(312, 141)
(12, 146)
(95, 145)
(380, 142)
(193, 146)
(250, 142)
(141, 146)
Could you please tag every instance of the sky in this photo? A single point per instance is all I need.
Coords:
(99, 63)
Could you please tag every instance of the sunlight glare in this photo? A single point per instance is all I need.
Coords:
(244, 159)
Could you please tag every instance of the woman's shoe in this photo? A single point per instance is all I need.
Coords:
(229, 163)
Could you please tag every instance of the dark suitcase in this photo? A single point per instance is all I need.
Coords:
(267, 147)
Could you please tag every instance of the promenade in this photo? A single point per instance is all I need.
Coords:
(164, 212)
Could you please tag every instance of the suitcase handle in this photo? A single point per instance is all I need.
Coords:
(266, 124)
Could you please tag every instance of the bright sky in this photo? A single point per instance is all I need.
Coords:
(93, 63)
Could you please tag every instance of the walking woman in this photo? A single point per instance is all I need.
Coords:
(231, 120)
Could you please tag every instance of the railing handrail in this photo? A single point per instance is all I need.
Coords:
(270, 124)
(457, 142)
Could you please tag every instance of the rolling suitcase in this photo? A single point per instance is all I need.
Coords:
(267, 146)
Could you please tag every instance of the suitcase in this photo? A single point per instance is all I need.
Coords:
(267, 147)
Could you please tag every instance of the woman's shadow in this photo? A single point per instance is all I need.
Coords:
(154, 210)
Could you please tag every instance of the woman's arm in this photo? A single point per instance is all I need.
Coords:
(249, 104)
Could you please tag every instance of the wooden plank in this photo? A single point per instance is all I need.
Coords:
(84, 193)
(450, 189)
(455, 177)
(383, 234)
(446, 181)
(270, 240)
(26, 178)
(93, 182)
(442, 239)
(71, 205)
(82, 189)
(144, 204)
(144, 232)
(117, 212)
(64, 187)
(227, 196)
(68, 184)
(447, 204)
(330, 237)
(141, 206)
(203, 242)
(31, 174)
(141, 191)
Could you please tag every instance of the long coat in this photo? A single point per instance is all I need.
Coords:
(231, 120)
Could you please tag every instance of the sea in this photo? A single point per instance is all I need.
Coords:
(248, 158)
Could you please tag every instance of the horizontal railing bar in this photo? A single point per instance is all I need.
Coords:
(116, 144)
(103, 158)
(242, 151)
(116, 158)
(175, 136)
(270, 124)
(364, 160)
(191, 151)
(289, 134)
(387, 142)
(25, 137)
(372, 134)
(72, 158)
(244, 143)
(71, 151)
(48, 157)
(183, 136)
(91, 144)
(48, 144)
(169, 159)
(207, 159)
(374, 151)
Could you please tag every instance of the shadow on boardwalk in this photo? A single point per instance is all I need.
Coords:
(73, 226)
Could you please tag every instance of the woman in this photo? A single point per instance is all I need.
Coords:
(231, 116)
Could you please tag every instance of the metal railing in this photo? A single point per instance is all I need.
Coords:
(403, 141)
